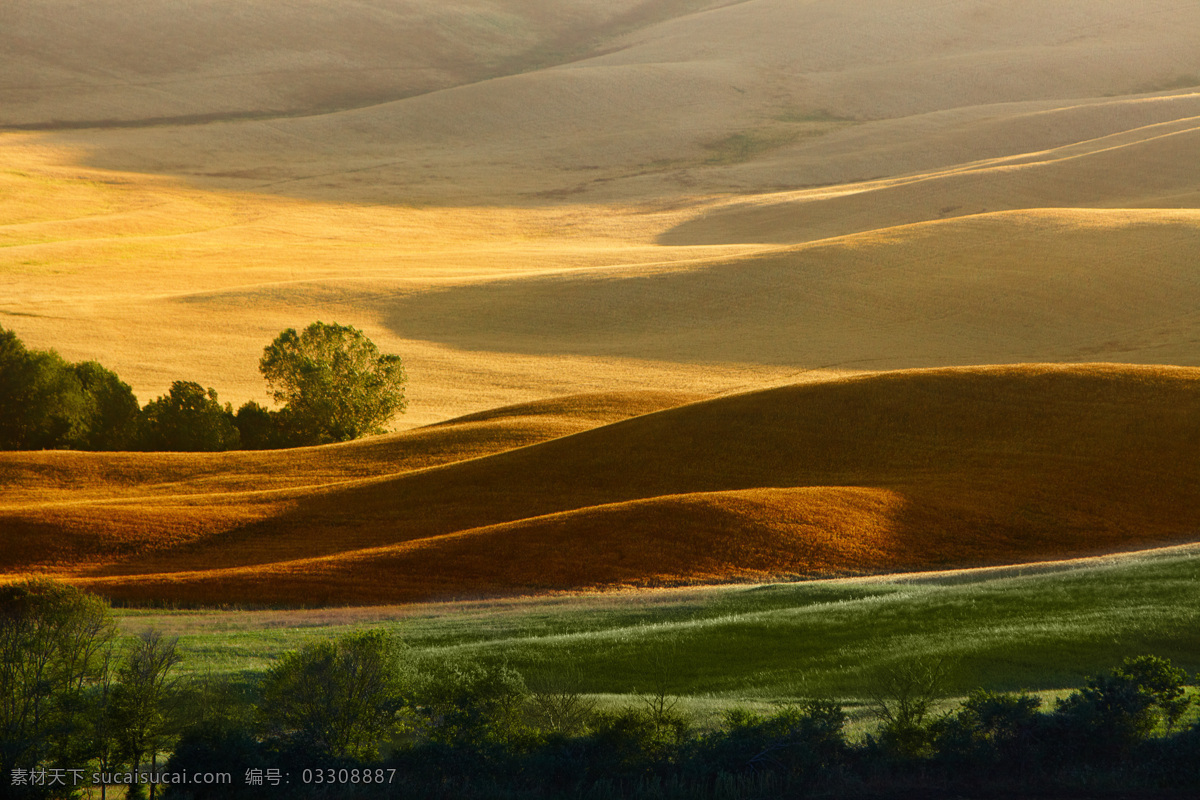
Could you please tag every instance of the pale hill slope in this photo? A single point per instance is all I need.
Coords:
(492, 306)
(162, 282)
(77, 62)
(966, 138)
(891, 471)
(1146, 167)
(701, 90)
(895, 58)
(1044, 285)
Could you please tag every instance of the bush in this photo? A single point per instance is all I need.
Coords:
(634, 743)
(333, 381)
(806, 742)
(1112, 714)
(113, 418)
(904, 697)
(465, 701)
(335, 699)
(144, 700)
(262, 429)
(991, 730)
(42, 403)
(55, 643)
(225, 749)
(555, 703)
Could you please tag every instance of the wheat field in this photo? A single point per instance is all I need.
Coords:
(687, 290)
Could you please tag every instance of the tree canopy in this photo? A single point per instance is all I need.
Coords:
(189, 418)
(333, 382)
(48, 403)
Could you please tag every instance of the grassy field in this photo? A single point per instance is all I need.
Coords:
(1042, 628)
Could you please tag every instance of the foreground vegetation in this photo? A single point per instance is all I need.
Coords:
(1038, 628)
(364, 715)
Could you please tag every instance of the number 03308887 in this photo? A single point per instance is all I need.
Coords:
(348, 775)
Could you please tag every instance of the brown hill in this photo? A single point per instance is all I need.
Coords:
(892, 471)
(68, 507)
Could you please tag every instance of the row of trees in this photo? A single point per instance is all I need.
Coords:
(331, 382)
(380, 721)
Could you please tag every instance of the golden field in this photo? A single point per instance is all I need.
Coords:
(669, 278)
(897, 470)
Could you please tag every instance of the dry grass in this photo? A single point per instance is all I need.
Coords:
(907, 470)
(62, 477)
(573, 197)
(529, 199)
(71, 62)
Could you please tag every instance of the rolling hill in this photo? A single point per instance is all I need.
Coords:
(576, 221)
(891, 471)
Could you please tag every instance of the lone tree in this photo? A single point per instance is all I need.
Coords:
(334, 383)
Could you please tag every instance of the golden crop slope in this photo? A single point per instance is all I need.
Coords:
(892, 471)
(60, 509)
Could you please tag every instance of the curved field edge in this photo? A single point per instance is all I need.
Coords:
(769, 642)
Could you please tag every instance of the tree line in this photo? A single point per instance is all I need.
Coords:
(362, 716)
(331, 381)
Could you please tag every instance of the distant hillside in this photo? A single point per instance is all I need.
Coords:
(1048, 284)
(74, 62)
(527, 198)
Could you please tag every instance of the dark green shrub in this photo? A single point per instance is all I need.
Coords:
(333, 382)
(113, 415)
(804, 742)
(262, 429)
(55, 646)
(189, 419)
(991, 730)
(230, 749)
(463, 701)
(144, 701)
(1112, 714)
(633, 743)
(904, 697)
(336, 699)
(42, 403)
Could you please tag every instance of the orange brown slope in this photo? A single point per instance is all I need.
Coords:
(892, 471)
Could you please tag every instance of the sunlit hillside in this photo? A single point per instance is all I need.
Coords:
(900, 470)
(642, 202)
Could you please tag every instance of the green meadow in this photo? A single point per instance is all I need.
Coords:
(1037, 628)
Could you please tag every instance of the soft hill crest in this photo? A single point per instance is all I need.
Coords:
(905, 470)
